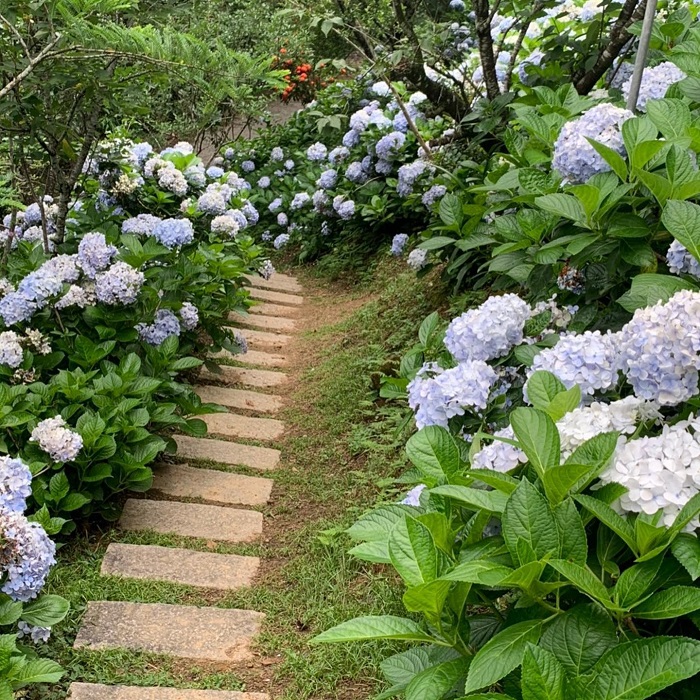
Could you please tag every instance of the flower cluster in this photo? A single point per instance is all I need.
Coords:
(655, 82)
(119, 284)
(61, 443)
(681, 261)
(164, 325)
(94, 254)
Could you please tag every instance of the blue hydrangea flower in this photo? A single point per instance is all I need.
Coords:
(264, 182)
(399, 243)
(301, 199)
(164, 325)
(289, 164)
(434, 194)
(60, 442)
(275, 204)
(316, 152)
(281, 241)
(417, 259)
(681, 261)
(95, 254)
(174, 232)
(327, 179)
(247, 166)
(277, 154)
(412, 498)
(189, 316)
(655, 83)
(143, 224)
(384, 167)
(11, 353)
(282, 219)
(214, 172)
(344, 208)
(534, 59)
(251, 213)
(389, 146)
(408, 174)
(351, 138)
(338, 155)
(119, 284)
(355, 173)
(15, 484)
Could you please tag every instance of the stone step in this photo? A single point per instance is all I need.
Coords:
(263, 309)
(279, 282)
(252, 357)
(217, 523)
(96, 691)
(275, 297)
(224, 572)
(231, 453)
(183, 481)
(264, 339)
(260, 378)
(266, 323)
(240, 399)
(236, 426)
(187, 632)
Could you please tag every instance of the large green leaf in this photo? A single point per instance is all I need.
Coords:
(500, 655)
(376, 525)
(670, 116)
(477, 499)
(374, 627)
(37, 671)
(670, 603)
(580, 637)
(639, 669)
(542, 387)
(562, 205)
(583, 579)
(648, 288)
(610, 518)
(413, 552)
(634, 582)
(573, 545)
(46, 611)
(686, 548)
(542, 675)
(428, 598)
(486, 573)
(401, 668)
(682, 219)
(538, 437)
(434, 451)
(433, 683)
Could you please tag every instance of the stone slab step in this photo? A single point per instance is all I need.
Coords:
(95, 691)
(231, 453)
(279, 282)
(217, 523)
(275, 297)
(252, 357)
(265, 339)
(236, 426)
(224, 572)
(187, 632)
(266, 323)
(240, 399)
(260, 378)
(183, 481)
(263, 309)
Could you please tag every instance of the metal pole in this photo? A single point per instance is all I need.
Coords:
(642, 52)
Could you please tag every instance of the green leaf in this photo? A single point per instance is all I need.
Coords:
(477, 499)
(378, 523)
(648, 288)
(374, 627)
(542, 387)
(687, 513)
(658, 185)
(10, 612)
(634, 582)
(686, 548)
(583, 579)
(413, 553)
(501, 654)
(670, 603)
(573, 545)
(538, 438)
(401, 668)
(501, 482)
(670, 116)
(59, 486)
(611, 519)
(542, 675)
(433, 683)
(564, 403)
(427, 598)
(185, 363)
(434, 451)
(527, 518)
(639, 669)
(564, 205)
(628, 226)
(428, 327)
(612, 158)
(479, 571)
(436, 242)
(559, 481)
(46, 611)
(682, 219)
(450, 210)
(37, 671)
(580, 637)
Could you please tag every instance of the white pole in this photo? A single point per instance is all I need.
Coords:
(642, 52)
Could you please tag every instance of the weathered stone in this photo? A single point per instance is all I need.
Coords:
(235, 426)
(202, 569)
(231, 453)
(182, 481)
(216, 523)
(240, 399)
(275, 297)
(263, 309)
(188, 632)
(279, 282)
(92, 691)
(252, 357)
(259, 378)
(266, 323)
(264, 339)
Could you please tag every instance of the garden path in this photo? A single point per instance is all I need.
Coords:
(217, 504)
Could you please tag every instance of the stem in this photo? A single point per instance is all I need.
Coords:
(642, 52)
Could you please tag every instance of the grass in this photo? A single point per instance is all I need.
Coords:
(341, 454)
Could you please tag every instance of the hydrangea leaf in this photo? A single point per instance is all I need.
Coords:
(413, 552)
(542, 675)
(686, 548)
(668, 604)
(374, 627)
(433, 683)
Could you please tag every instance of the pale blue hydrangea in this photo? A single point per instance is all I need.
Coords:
(316, 152)
(174, 232)
(32, 215)
(344, 208)
(398, 243)
(142, 225)
(196, 176)
(275, 204)
(247, 166)
(408, 174)
(457, 5)
(621, 73)
(574, 158)
(434, 194)
(289, 164)
(251, 213)
(119, 284)
(225, 225)
(320, 200)
(655, 82)
(450, 393)
(355, 173)
(327, 179)
(498, 455)
(389, 146)
(400, 123)
(229, 153)
(11, 353)
(277, 154)
(281, 241)
(589, 360)
(301, 199)
(165, 325)
(489, 331)
(266, 235)
(380, 120)
(212, 202)
(534, 59)
(35, 633)
(338, 155)
(235, 184)
(264, 182)
(384, 167)
(60, 442)
(239, 217)
(189, 316)
(140, 153)
(15, 484)
(180, 148)
(412, 498)
(15, 307)
(681, 261)
(660, 349)
(381, 89)
(95, 254)
(282, 219)
(351, 138)
(359, 121)
(366, 164)
(214, 172)
(266, 269)
(28, 555)
(417, 259)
